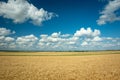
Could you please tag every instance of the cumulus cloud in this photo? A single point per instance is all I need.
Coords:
(87, 32)
(9, 39)
(5, 32)
(97, 38)
(109, 13)
(21, 10)
(84, 43)
(82, 39)
(5, 40)
(26, 41)
(55, 35)
(56, 41)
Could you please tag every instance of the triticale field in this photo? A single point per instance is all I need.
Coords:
(103, 65)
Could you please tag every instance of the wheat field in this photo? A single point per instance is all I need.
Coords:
(60, 65)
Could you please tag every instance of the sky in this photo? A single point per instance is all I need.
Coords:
(59, 25)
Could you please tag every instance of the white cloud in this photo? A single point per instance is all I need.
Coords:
(83, 39)
(65, 35)
(109, 13)
(56, 41)
(84, 43)
(87, 32)
(9, 39)
(97, 38)
(5, 32)
(21, 10)
(6, 42)
(2, 38)
(26, 41)
(43, 36)
(67, 41)
(6, 39)
(55, 35)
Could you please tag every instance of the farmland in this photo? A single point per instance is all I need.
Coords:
(103, 65)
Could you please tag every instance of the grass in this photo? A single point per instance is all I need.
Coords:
(104, 65)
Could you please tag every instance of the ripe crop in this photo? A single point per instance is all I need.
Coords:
(60, 66)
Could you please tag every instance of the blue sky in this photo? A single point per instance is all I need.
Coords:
(59, 25)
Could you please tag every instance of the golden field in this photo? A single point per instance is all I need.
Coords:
(104, 65)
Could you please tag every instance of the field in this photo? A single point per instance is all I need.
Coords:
(103, 65)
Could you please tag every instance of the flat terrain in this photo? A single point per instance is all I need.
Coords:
(104, 65)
